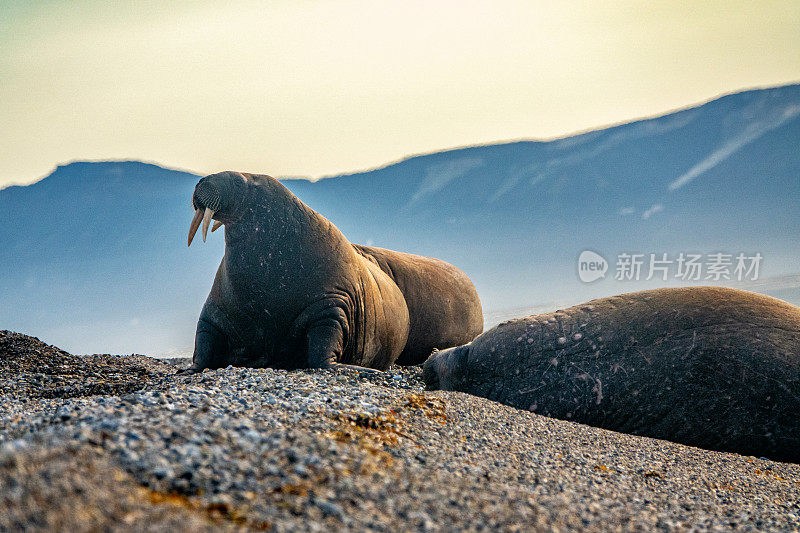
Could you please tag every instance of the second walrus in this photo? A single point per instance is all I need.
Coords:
(705, 366)
(293, 292)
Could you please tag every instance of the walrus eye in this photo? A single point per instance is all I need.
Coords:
(205, 218)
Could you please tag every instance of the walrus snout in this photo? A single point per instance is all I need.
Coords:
(207, 194)
(206, 200)
(213, 195)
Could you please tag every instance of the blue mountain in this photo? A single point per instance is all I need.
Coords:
(94, 255)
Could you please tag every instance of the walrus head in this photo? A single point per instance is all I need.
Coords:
(443, 369)
(218, 196)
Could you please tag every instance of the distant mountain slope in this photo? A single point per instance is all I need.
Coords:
(724, 176)
(95, 256)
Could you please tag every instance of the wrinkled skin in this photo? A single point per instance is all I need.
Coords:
(291, 290)
(705, 366)
(443, 305)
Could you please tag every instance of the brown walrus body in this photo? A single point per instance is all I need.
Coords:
(705, 366)
(443, 305)
(293, 292)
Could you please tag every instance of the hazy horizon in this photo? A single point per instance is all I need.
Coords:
(314, 89)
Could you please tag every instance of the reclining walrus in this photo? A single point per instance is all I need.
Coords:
(292, 292)
(705, 366)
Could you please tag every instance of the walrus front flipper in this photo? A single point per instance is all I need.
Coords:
(325, 342)
(210, 347)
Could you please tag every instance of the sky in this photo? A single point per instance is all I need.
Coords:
(302, 88)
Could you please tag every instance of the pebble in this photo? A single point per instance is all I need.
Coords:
(341, 449)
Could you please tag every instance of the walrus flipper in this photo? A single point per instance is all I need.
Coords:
(209, 348)
(326, 337)
(325, 343)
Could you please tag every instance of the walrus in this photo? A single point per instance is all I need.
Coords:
(710, 367)
(293, 292)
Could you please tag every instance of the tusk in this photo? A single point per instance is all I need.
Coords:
(216, 226)
(206, 220)
(198, 216)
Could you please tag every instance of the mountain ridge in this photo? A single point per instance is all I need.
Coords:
(498, 142)
(96, 258)
(570, 135)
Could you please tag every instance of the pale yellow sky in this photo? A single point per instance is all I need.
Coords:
(318, 88)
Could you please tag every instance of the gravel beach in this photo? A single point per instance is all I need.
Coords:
(106, 443)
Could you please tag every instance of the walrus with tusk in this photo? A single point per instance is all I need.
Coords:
(293, 292)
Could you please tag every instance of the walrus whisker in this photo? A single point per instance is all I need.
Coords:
(198, 216)
(216, 226)
(206, 220)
